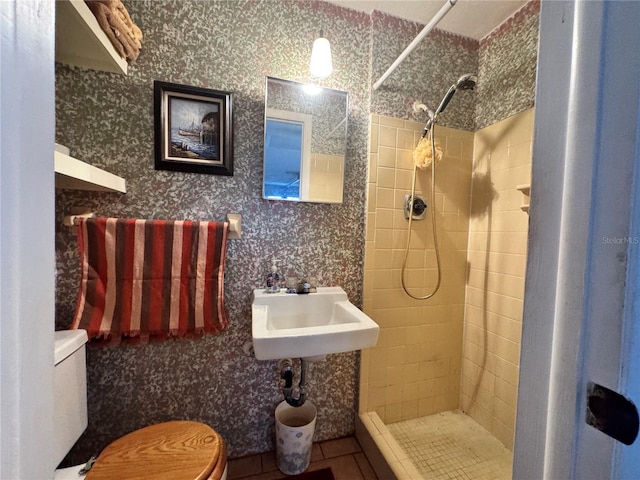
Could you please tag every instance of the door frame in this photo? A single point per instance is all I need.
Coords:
(584, 148)
(27, 234)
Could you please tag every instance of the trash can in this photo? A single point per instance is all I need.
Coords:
(294, 436)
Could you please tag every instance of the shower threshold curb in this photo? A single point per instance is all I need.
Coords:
(386, 456)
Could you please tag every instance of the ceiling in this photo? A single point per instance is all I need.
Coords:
(469, 18)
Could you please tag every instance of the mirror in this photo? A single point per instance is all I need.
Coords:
(305, 142)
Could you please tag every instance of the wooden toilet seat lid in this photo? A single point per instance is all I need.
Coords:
(177, 450)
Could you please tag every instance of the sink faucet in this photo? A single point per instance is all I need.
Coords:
(300, 287)
(304, 287)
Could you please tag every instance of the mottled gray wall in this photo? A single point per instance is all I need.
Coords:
(507, 67)
(425, 75)
(107, 120)
(505, 62)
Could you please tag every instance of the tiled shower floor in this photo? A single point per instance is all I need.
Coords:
(451, 445)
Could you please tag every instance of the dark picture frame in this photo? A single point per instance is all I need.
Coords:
(193, 129)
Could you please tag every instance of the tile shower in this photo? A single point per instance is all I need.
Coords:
(459, 350)
(456, 355)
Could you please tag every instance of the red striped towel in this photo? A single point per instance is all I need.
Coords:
(150, 277)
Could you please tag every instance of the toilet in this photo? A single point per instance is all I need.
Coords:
(173, 450)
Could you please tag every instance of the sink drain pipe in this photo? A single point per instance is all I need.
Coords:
(286, 373)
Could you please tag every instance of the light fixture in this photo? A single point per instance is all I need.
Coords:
(321, 64)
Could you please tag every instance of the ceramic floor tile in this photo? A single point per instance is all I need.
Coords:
(316, 453)
(243, 467)
(341, 446)
(345, 468)
(269, 462)
(365, 466)
(277, 475)
(344, 457)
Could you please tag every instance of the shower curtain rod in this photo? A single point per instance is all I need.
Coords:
(428, 27)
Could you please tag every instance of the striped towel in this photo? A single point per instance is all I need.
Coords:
(150, 277)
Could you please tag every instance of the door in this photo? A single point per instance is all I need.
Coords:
(581, 247)
(27, 255)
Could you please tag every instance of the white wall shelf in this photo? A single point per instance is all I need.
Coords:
(526, 194)
(81, 42)
(74, 174)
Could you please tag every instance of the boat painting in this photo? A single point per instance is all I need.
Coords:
(192, 131)
(194, 127)
(190, 146)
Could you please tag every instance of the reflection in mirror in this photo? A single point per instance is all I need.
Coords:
(305, 142)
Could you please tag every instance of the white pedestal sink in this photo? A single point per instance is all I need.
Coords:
(286, 325)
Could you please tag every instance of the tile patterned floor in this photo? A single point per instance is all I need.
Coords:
(452, 446)
(344, 456)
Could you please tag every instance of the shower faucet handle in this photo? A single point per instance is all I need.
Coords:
(417, 207)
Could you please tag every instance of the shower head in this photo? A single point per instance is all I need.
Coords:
(465, 82)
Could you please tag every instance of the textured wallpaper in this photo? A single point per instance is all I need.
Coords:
(107, 121)
(425, 75)
(507, 67)
(504, 61)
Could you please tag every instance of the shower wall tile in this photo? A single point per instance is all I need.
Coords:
(404, 159)
(406, 139)
(385, 197)
(387, 156)
(386, 177)
(107, 120)
(374, 131)
(373, 165)
(414, 369)
(387, 136)
(396, 123)
(498, 231)
(503, 242)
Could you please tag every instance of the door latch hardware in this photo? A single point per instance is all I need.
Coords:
(612, 413)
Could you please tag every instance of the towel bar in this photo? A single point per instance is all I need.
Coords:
(235, 225)
(70, 220)
(234, 219)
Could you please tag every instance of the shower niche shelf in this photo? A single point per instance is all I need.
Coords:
(526, 194)
(81, 42)
(74, 174)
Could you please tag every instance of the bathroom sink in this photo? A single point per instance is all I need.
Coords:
(286, 325)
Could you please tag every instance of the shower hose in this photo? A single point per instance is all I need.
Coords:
(433, 221)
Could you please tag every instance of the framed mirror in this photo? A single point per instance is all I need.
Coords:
(305, 142)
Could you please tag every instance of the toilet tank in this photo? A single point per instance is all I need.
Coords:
(69, 390)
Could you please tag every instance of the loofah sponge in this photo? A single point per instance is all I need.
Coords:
(423, 154)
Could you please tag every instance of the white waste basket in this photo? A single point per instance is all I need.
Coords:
(294, 436)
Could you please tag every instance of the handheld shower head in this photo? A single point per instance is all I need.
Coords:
(465, 82)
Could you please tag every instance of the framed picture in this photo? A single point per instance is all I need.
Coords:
(193, 129)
